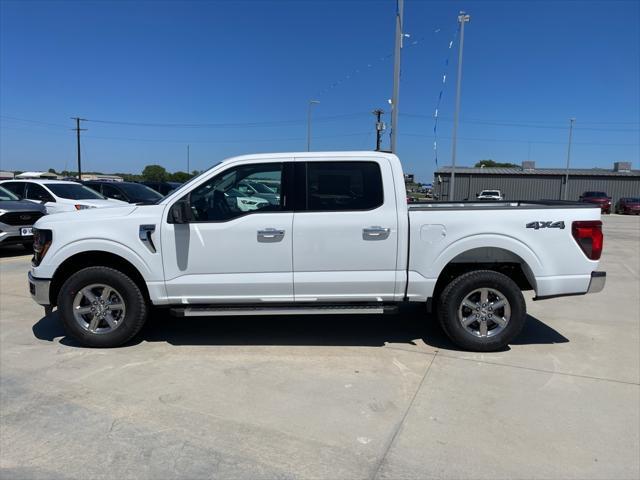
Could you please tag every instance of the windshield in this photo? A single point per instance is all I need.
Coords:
(491, 192)
(6, 195)
(73, 191)
(140, 193)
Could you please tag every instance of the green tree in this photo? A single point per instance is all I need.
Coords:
(155, 173)
(52, 170)
(179, 177)
(488, 163)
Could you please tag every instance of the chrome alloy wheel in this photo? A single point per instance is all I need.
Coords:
(484, 312)
(99, 308)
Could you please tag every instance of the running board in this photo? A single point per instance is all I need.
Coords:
(218, 311)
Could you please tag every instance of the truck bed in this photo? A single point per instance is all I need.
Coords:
(534, 234)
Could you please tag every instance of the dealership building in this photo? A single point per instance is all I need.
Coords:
(530, 183)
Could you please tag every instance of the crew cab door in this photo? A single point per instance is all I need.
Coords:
(236, 248)
(345, 230)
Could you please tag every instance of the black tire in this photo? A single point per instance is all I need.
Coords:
(455, 292)
(133, 299)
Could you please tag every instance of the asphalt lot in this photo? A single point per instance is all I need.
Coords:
(329, 398)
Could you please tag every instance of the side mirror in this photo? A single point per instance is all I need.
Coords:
(180, 212)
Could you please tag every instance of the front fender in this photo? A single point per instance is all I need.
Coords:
(50, 263)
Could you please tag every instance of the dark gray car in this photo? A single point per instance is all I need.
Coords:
(17, 218)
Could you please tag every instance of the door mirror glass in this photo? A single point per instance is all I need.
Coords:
(180, 212)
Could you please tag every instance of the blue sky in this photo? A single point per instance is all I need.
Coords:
(248, 69)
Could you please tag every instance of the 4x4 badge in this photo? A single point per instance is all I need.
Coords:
(539, 225)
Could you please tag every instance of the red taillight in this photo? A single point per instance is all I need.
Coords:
(588, 235)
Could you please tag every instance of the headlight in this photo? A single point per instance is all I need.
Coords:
(2, 212)
(83, 207)
(41, 243)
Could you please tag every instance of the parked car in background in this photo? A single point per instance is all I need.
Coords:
(599, 198)
(490, 195)
(57, 195)
(245, 203)
(129, 192)
(259, 190)
(162, 187)
(17, 218)
(628, 206)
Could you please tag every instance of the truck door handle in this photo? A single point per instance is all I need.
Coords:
(375, 233)
(269, 235)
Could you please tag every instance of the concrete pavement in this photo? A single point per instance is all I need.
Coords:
(328, 398)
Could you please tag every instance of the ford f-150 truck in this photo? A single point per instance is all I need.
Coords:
(341, 239)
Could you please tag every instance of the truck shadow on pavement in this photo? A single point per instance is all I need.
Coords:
(9, 251)
(412, 327)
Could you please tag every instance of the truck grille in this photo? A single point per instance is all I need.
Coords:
(20, 218)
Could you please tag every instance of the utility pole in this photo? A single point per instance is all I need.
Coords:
(566, 173)
(395, 99)
(311, 102)
(462, 18)
(380, 126)
(188, 171)
(78, 130)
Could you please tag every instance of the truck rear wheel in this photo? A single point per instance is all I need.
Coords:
(482, 311)
(101, 307)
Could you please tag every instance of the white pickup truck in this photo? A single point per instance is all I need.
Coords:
(341, 239)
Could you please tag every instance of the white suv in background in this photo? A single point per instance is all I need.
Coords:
(59, 195)
(490, 195)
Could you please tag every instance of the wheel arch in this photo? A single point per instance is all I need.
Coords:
(94, 258)
(498, 259)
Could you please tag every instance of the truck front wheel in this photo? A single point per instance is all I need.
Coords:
(482, 311)
(101, 307)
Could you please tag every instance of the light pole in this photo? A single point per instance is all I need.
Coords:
(566, 172)
(462, 18)
(311, 102)
(395, 100)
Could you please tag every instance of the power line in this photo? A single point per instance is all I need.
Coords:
(533, 142)
(35, 121)
(261, 140)
(525, 124)
(230, 125)
(506, 123)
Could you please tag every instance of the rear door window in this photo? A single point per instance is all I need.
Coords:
(37, 192)
(17, 188)
(110, 191)
(343, 186)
